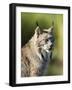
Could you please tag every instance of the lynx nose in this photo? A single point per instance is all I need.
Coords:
(52, 42)
(51, 46)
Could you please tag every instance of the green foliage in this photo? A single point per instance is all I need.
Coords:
(28, 25)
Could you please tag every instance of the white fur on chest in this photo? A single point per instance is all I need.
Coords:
(47, 62)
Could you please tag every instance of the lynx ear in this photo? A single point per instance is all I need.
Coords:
(50, 30)
(38, 31)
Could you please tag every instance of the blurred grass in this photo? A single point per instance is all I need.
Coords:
(55, 67)
(28, 25)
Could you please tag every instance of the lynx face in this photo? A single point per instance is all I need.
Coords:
(45, 39)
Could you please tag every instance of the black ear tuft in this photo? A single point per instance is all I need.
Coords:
(52, 23)
(37, 23)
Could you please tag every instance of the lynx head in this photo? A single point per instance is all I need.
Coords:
(44, 38)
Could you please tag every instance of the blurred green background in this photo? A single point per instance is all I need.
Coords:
(28, 25)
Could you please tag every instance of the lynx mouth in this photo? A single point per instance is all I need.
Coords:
(51, 48)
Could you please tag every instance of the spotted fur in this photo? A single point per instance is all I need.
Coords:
(36, 54)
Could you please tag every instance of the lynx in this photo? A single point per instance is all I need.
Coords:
(36, 54)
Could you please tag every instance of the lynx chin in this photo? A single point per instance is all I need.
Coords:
(36, 53)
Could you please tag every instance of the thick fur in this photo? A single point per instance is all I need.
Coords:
(36, 54)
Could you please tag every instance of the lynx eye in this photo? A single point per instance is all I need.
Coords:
(46, 40)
